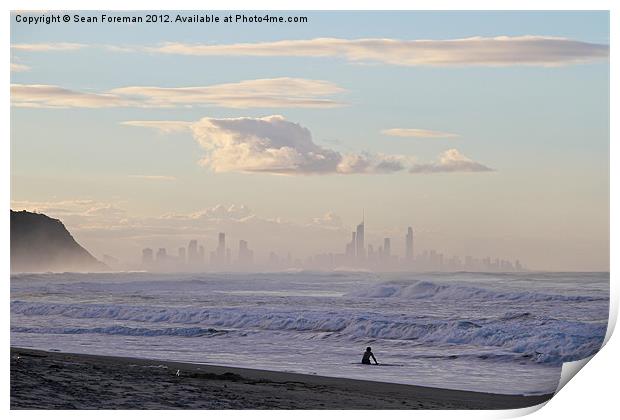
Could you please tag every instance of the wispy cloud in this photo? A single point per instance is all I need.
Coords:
(15, 67)
(50, 96)
(278, 92)
(475, 51)
(282, 92)
(499, 51)
(450, 161)
(164, 127)
(275, 145)
(417, 132)
(52, 46)
(154, 177)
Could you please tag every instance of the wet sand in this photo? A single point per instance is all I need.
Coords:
(53, 380)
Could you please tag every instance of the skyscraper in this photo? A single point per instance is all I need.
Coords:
(147, 256)
(161, 255)
(245, 254)
(409, 244)
(201, 254)
(192, 252)
(221, 245)
(182, 255)
(350, 248)
(360, 249)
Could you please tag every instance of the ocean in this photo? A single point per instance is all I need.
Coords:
(490, 332)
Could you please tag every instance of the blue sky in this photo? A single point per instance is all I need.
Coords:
(544, 132)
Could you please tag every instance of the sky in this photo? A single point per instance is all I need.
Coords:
(487, 132)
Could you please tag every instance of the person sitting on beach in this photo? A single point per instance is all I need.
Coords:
(367, 355)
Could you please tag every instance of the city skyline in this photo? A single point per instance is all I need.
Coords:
(274, 132)
(356, 254)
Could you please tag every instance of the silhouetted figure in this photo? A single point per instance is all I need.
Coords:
(367, 355)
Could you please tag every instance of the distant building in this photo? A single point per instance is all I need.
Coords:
(192, 252)
(360, 248)
(409, 244)
(147, 256)
(182, 255)
(246, 255)
(387, 248)
(350, 248)
(221, 245)
(161, 255)
(221, 255)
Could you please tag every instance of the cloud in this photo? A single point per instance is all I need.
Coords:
(260, 93)
(360, 163)
(81, 212)
(50, 96)
(165, 127)
(274, 145)
(154, 177)
(270, 144)
(329, 220)
(42, 47)
(499, 51)
(278, 92)
(417, 132)
(475, 51)
(15, 67)
(219, 212)
(450, 161)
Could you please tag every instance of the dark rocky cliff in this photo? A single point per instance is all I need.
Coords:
(40, 243)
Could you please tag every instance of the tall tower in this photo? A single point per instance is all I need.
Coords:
(221, 245)
(409, 244)
(192, 252)
(350, 248)
(245, 254)
(360, 249)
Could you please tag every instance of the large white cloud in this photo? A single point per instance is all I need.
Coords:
(275, 145)
(270, 144)
(260, 93)
(474, 51)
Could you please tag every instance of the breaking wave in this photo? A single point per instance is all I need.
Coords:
(428, 290)
(540, 339)
(122, 330)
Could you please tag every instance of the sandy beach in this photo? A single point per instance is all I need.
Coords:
(54, 380)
